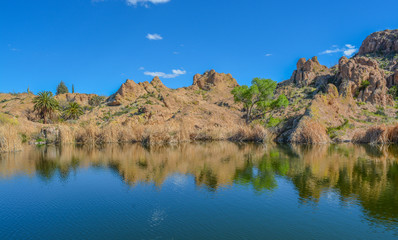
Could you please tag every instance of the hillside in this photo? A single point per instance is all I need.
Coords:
(352, 101)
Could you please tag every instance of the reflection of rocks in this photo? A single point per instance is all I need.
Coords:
(368, 174)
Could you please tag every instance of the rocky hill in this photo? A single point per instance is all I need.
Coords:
(352, 101)
(345, 102)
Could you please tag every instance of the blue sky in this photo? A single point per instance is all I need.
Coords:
(98, 44)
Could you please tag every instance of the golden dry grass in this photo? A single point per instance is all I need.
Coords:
(10, 140)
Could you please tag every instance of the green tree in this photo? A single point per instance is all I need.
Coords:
(45, 105)
(73, 88)
(260, 92)
(73, 111)
(61, 88)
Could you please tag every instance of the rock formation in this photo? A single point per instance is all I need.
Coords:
(383, 43)
(212, 79)
(362, 78)
(308, 71)
(130, 91)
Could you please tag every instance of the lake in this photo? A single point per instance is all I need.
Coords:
(216, 190)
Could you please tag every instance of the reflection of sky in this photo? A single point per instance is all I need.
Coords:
(95, 203)
(244, 198)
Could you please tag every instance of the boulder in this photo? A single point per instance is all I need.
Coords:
(362, 78)
(50, 134)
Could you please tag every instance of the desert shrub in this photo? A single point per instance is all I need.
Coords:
(332, 131)
(7, 119)
(393, 91)
(96, 100)
(273, 122)
(380, 112)
(364, 85)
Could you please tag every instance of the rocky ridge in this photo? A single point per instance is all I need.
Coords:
(325, 104)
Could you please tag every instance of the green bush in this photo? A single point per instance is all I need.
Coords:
(273, 122)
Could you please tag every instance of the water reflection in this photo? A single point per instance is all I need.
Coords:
(367, 175)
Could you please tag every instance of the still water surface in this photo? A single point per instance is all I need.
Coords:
(200, 191)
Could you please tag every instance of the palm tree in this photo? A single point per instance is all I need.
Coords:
(45, 105)
(73, 111)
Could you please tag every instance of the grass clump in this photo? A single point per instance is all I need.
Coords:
(333, 131)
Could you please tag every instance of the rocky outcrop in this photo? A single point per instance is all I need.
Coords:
(381, 43)
(212, 79)
(130, 91)
(326, 111)
(308, 71)
(392, 80)
(51, 135)
(362, 78)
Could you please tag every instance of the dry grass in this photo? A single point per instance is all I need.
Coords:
(10, 141)
(310, 131)
(377, 135)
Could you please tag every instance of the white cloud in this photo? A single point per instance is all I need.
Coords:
(174, 73)
(145, 2)
(268, 55)
(154, 36)
(141, 68)
(348, 50)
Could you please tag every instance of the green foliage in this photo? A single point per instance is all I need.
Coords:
(7, 119)
(73, 88)
(61, 88)
(281, 101)
(332, 131)
(380, 112)
(259, 93)
(364, 85)
(273, 122)
(360, 103)
(45, 105)
(73, 111)
(96, 100)
(393, 91)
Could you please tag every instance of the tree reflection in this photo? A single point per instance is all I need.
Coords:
(367, 174)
